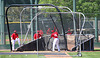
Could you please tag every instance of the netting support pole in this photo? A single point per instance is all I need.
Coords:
(8, 28)
(74, 10)
(36, 23)
(31, 16)
(96, 29)
(79, 39)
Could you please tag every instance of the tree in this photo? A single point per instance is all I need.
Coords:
(85, 6)
(90, 6)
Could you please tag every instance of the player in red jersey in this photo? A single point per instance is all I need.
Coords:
(54, 35)
(37, 35)
(69, 32)
(14, 38)
(41, 32)
(48, 31)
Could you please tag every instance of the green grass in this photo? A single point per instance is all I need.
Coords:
(21, 56)
(87, 54)
(96, 49)
(5, 51)
(97, 44)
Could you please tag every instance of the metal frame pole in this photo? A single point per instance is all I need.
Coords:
(36, 23)
(0, 18)
(31, 16)
(74, 10)
(96, 29)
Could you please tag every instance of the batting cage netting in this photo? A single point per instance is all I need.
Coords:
(29, 20)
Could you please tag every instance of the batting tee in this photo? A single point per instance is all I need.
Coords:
(47, 19)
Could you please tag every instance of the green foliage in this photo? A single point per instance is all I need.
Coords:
(88, 7)
(84, 6)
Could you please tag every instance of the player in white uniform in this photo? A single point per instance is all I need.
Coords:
(14, 38)
(56, 40)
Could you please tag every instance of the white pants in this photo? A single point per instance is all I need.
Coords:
(13, 43)
(56, 42)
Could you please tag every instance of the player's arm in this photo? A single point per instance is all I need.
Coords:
(51, 35)
(34, 36)
(12, 37)
(40, 36)
(17, 36)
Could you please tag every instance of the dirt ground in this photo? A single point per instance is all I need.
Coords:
(47, 54)
(59, 56)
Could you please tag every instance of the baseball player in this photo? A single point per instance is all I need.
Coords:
(14, 38)
(56, 40)
(48, 31)
(69, 32)
(37, 35)
(41, 32)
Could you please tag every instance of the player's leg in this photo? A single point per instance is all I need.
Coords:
(13, 44)
(57, 44)
(54, 43)
(18, 41)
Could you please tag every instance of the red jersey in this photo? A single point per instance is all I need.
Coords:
(69, 32)
(14, 36)
(54, 35)
(36, 36)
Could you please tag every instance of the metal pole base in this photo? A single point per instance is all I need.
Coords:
(79, 54)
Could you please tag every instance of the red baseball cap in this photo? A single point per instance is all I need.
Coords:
(14, 30)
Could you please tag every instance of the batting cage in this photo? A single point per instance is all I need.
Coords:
(45, 19)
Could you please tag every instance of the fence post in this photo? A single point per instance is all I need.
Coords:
(96, 29)
(2, 21)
